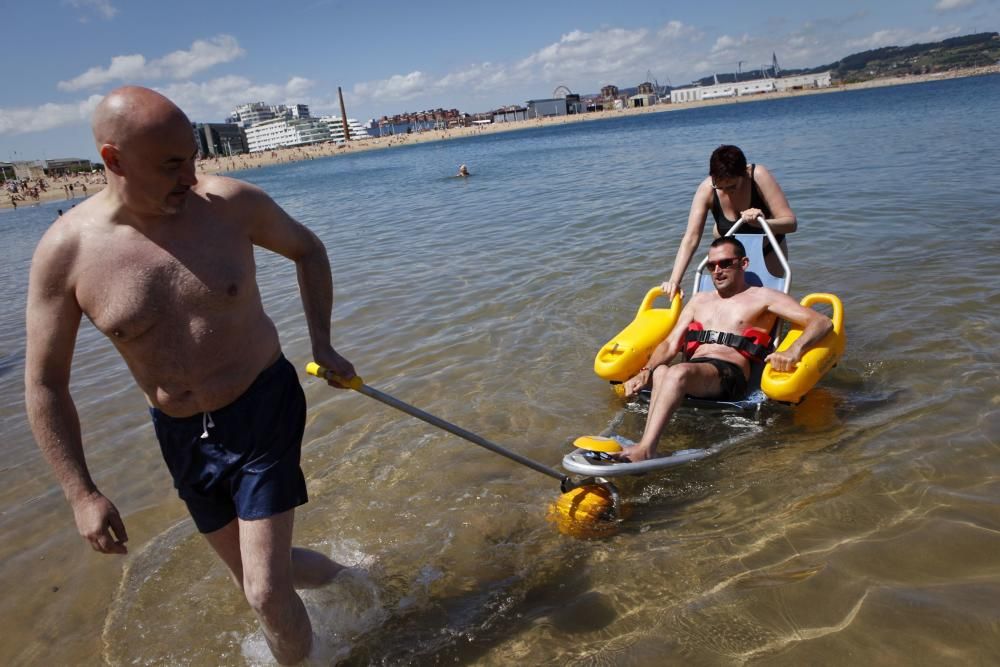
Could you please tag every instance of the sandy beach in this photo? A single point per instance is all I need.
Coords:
(297, 154)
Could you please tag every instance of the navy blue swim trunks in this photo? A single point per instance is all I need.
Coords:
(241, 460)
(734, 383)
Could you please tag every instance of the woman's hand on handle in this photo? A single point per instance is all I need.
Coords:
(750, 216)
(670, 288)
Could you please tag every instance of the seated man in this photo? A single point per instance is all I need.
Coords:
(719, 332)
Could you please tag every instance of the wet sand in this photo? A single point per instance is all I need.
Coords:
(297, 154)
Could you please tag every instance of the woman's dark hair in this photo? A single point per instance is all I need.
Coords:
(727, 162)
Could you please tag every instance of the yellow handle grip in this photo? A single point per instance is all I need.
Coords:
(354, 383)
(651, 295)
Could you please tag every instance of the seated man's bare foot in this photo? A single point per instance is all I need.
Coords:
(635, 454)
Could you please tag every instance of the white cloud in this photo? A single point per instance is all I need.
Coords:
(47, 116)
(214, 100)
(102, 8)
(949, 5)
(122, 68)
(399, 87)
(580, 60)
(210, 101)
(202, 55)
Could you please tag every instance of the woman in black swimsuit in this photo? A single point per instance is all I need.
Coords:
(734, 191)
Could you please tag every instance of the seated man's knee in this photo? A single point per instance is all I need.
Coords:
(661, 373)
(676, 374)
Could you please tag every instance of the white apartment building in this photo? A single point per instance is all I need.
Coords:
(247, 115)
(285, 132)
(336, 127)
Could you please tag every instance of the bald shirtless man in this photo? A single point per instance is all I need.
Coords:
(715, 369)
(162, 263)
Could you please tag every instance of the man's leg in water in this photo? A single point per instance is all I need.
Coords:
(268, 569)
(310, 569)
(670, 385)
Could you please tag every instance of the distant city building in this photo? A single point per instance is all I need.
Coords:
(220, 139)
(610, 99)
(67, 165)
(646, 88)
(421, 121)
(247, 115)
(6, 171)
(642, 100)
(546, 108)
(335, 124)
(54, 167)
(296, 110)
(509, 114)
(750, 87)
(252, 113)
(802, 81)
(286, 132)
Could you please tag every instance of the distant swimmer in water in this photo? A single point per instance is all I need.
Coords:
(226, 405)
(733, 191)
(463, 171)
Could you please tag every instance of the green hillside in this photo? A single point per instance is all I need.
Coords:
(976, 50)
(955, 53)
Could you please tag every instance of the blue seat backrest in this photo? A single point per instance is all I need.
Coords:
(757, 274)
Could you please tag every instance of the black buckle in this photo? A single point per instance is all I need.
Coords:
(713, 336)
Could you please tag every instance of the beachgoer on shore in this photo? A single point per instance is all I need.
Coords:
(227, 407)
(731, 192)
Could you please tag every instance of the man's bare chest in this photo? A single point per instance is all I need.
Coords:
(137, 285)
(735, 316)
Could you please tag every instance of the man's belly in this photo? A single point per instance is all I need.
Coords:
(187, 377)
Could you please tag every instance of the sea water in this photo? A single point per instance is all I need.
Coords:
(862, 525)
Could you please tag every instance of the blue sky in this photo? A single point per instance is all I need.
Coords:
(389, 57)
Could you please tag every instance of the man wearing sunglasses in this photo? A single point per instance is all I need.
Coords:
(719, 333)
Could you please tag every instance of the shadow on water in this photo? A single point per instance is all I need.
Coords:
(366, 616)
(555, 592)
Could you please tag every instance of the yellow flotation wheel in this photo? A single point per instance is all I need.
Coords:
(589, 511)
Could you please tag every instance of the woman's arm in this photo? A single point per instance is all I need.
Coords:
(782, 220)
(700, 205)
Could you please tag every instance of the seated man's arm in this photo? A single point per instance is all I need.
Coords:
(665, 351)
(815, 326)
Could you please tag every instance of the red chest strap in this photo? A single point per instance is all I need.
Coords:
(753, 344)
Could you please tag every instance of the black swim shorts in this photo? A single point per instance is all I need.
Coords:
(241, 460)
(731, 378)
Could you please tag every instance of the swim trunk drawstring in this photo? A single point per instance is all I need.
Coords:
(206, 423)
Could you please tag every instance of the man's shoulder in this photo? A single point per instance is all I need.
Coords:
(224, 186)
(767, 293)
(232, 197)
(59, 247)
